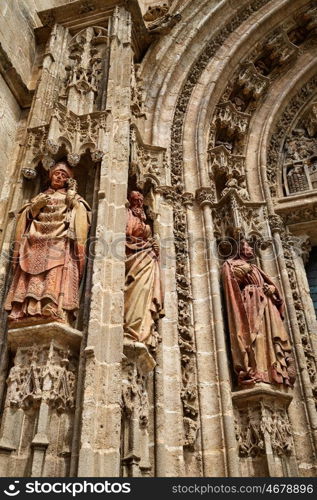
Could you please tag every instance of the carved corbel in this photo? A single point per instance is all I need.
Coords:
(205, 196)
(277, 224)
(148, 163)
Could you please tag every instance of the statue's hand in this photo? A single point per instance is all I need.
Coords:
(41, 201)
(269, 290)
(156, 247)
(71, 198)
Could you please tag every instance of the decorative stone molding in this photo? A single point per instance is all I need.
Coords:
(252, 81)
(137, 364)
(137, 93)
(255, 423)
(185, 327)
(42, 373)
(235, 217)
(167, 191)
(158, 20)
(229, 118)
(86, 51)
(205, 196)
(155, 12)
(311, 119)
(29, 173)
(304, 214)
(222, 161)
(276, 223)
(282, 130)
(191, 429)
(75, 133)
(188, 199)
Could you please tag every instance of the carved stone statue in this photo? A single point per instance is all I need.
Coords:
(143, 288)
(49, 253)
(260, 347)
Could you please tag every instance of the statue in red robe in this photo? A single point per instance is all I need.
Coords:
(49, 253)
(260, 347)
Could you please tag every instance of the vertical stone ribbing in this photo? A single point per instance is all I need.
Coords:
(100, 435)
(168, 382)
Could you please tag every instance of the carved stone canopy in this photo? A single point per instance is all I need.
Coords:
(65, 130)
(233, 216)
(262, 423)
(76, 16)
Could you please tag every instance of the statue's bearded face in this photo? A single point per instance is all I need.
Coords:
(246, 251)
(58, 179)
(136, 199)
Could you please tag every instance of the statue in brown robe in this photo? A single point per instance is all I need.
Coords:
(260, 347)
(143, 288)
(49, 253)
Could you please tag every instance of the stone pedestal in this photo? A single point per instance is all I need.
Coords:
(263, 431)
(36, 430)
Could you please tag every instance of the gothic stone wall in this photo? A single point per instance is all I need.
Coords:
(218, 93)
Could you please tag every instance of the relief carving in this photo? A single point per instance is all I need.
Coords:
(185, 327)
(148, 163)
(87, 52)
(291, 246)
(259, 424)
(47, 374)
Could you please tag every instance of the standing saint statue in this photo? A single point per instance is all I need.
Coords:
(260, 347)
(143, 288)
(49, 253)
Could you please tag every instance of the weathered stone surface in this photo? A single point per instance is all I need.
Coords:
(209, 108)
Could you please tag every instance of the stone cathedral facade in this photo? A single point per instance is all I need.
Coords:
(208, 108)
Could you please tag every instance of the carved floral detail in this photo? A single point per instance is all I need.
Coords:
(282, 131)
(292, 246)
(87, 51)
(148, 163)
(255, 426)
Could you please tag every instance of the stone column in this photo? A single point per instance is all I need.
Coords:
(300, 250)
(211, 431)
(264, 433)
(277, 228)
(205, 198)
(100, 432)
(36, 429)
